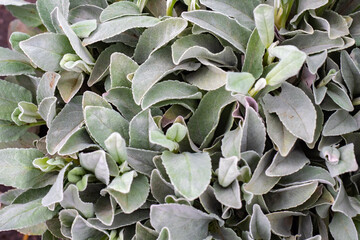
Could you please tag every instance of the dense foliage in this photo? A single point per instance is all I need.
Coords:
(181, 120)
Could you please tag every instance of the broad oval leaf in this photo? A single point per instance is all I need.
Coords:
(157, 36)
(295, 110)
(169, 215)
(102, 122)
(46, 50)
(189, 172)
(214, 22)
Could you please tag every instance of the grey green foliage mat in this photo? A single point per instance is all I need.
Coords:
(181, 120)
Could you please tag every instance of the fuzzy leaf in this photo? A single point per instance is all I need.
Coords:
(214, 22)
(189, 172)
(46, 50)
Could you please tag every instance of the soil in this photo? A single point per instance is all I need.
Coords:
(5, 19)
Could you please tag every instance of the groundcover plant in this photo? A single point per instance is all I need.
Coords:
(181, 120)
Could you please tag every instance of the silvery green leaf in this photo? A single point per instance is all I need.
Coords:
(214, 22)
(170, 90)
(281, 222)
(84, 12)
(116, 146)
(295, 110)
(228, 171)
(100, 3)
(242, 11)
(45, 7)
(347, 162)
(122, 219)
(143, 232)
(135, 198)
(289, 197)
(67, 217)
(47, 86)
(239, 82)
(15, 38)
(157, 137)
(229, 196)
(264, 22)
(164, 234)
(120, 67)
(73, 63)
(26, 13)
(306, 5)
(14, 2)
(350, 206)
(191, 181)
(231, 143)
(10, 132)
(28, 112)
(101, 67)
(105, 209)
(350, 72)
(340, 122)
(92, 99)
(115, 27)
(83, 230)
(254, 133)
(157, 66)
(278, 133)
(203, 123)
(314, 43)
(11, 94)
(207, 77)
(119, 9)
(24, 139)
(140, 127)
(67, 122)
(342, 227)
(126, 105)
(84, 28)
(209, 201)
(354, 28)
(96, 163)
(78, 141)
(169, 215)
(157, 36)
(260, 183)
(18, 216)
(46, 50)
(177, 132)
(308, 174)
(59, 21)
(291, 61)
(260, 227)
(141, 160)
(283, 166)
(339, 96)
(55, 193)
(14, 63)
(160, 188)
(122, 183)
(315, 61)
(72, 200)
(255, 50)
(202, 46)
(18, 162)
(102, 122)
(335, 24)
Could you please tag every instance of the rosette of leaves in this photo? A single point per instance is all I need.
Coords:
(210, 119)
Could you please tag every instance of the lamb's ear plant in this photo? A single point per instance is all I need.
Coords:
(181, 119)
